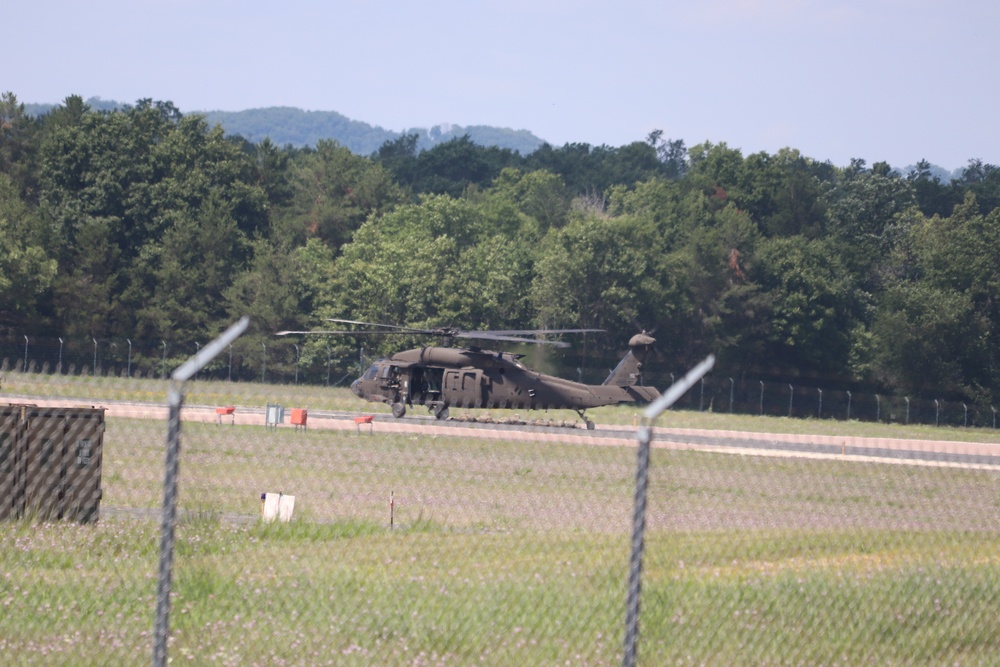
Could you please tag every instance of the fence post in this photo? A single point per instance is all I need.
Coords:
(819, 412)
(878, 409)
(644, 435)
(761, 398)
(24, 369)
(848, 405)
(937, 413)
(791, 391)
(175, 396)
(328, 362)
(907, 399)
(128, 370)
(731, 386)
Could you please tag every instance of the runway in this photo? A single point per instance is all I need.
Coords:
(943, 453)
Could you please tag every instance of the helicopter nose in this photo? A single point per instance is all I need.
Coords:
(356, 387)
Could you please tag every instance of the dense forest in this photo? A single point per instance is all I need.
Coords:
(145, 224)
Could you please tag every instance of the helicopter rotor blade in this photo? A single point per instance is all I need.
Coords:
(491, 335)
(447, 333)
(529, 332)
(341, 333)
(516, 335)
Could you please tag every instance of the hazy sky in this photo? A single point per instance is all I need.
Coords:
(893, 80)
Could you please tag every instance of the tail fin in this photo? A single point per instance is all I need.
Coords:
(628, 372)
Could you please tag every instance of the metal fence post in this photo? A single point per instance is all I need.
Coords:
(175, 399)
(644, 435)
(296, 363)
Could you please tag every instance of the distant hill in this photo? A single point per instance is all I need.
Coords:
(289, 125)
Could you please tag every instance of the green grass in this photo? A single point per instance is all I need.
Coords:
(502, 552)
(363, 595)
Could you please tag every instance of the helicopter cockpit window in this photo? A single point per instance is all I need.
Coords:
(371, 373)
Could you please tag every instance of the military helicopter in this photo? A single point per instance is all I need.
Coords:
(472, 377)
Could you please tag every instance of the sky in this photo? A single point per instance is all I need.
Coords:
(880, 80)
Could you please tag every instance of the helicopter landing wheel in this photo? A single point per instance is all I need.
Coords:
(441, 412)
(398, 410)
(587, 422)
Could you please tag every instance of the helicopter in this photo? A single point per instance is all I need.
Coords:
(472, 377)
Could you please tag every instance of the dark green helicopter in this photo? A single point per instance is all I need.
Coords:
(444, 376)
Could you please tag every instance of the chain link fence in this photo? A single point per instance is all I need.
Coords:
(286, 362)
(414, 542)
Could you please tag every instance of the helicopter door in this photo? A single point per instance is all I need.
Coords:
(426, 384)
(464, 388)
(388, 380)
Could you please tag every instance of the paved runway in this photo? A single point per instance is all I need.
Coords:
(883, 450)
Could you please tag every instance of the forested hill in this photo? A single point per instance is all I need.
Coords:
(147, 229)
(288, 126)
(295, 127)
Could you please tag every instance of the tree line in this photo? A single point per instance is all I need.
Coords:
(145, 223)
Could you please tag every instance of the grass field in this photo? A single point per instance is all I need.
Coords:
(501, 552)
